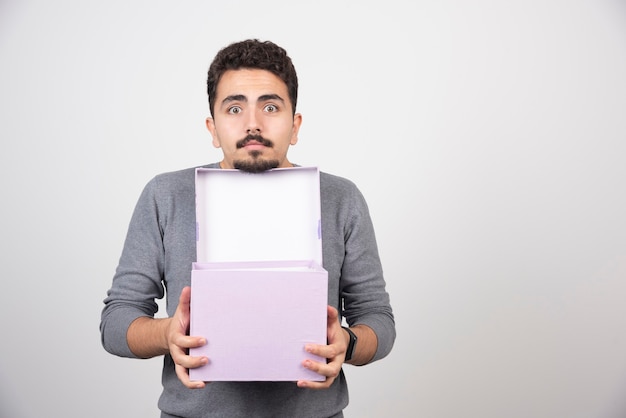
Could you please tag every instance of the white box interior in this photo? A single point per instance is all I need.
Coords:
(274, 215)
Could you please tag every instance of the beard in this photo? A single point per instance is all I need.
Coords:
(256, 163)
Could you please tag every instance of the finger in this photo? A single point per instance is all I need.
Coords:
(309, 384)
(187, 341)
(183, 375)
(330, 352)
(189, 362)
(179, 350)
(329, 370)
(322, 370)
(183, 363)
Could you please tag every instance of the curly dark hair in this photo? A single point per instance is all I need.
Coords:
(253, 54)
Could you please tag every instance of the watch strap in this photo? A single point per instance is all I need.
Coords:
(351, 344)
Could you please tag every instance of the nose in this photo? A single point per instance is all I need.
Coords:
(253, 124)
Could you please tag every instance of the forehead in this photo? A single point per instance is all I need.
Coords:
(251, 83)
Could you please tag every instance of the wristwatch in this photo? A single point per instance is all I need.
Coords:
(351, 344)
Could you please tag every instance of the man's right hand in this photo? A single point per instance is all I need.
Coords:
(179, 342)
(150, 337)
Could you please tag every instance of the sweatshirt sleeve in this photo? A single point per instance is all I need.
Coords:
(138, 279)
(365, 299)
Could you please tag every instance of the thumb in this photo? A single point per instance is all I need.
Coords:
(332, 313)
(182, 311)
(184, 300)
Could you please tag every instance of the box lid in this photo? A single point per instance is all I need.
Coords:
(273, 215)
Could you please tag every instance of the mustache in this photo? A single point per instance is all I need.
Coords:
(258, 138)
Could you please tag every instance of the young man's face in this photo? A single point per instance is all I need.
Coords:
(253, 121)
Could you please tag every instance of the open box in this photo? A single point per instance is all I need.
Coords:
(258, 291)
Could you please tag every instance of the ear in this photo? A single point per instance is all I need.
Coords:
(210, 125)
(297, 121)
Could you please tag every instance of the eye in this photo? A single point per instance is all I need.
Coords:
(234, 110)
(270, 108)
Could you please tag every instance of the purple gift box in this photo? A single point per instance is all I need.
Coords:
(258, 291)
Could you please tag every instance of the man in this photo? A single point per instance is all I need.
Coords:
(252, 88)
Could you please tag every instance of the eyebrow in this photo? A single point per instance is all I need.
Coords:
(242, 98)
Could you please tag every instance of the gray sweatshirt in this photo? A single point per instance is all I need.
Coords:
(156, 262)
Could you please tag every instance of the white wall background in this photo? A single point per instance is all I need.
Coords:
(487, 136)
